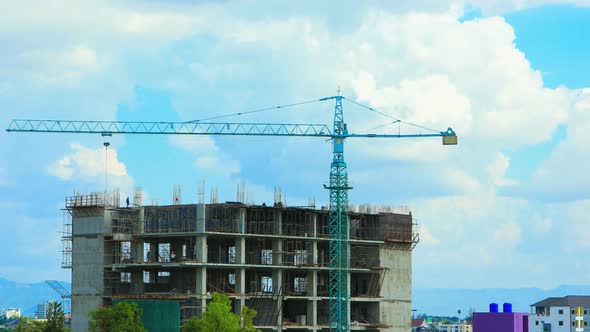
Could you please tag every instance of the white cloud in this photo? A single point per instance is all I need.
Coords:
(571, 219)
(209, 158)
(89, 165)
(543, 225)
(492, 7)
(497, 170)
(508, 234)
(426, 237)
(564, 173)
(62, 67)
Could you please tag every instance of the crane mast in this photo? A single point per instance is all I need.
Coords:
(339, 260)
(338, 218)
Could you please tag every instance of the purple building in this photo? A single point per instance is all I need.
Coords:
(495, 321)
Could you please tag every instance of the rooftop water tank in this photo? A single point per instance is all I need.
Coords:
(493, 307)
(507, 307)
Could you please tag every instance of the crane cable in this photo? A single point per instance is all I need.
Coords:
(396, 120)
(257, 110)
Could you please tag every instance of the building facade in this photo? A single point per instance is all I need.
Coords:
(455, 327)
(10, 313)
(272, 259)
(557, 314)
(41, 311)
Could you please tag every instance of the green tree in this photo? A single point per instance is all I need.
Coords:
(56, 318)
(122, 317)
(219, 318)
(28, 325)
(247, 320)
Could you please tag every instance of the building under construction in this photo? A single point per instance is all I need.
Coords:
(273, 259)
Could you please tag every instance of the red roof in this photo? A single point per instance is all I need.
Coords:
(417, 322)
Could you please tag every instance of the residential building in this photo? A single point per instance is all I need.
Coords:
(506, 321)
(273, 259)
(557, 314)
(419, 324)
(463, 327)
(10, 313)
(40, 313)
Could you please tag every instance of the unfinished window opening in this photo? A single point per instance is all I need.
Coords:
(125, 277)
(323, 221)
(364, 256)
(164, 252)
(259, 251)
(163, 277)
(266, 284)
(147, 255)
(300, 257)
(231, 255)
(323, 282)
(221, 250)
(221, 281)
(300, 285)
(125, 252)
(146, 277)
(232, 279)
(367, 284)
(295, 312)
(266, 256)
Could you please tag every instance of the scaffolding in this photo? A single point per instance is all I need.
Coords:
(66, 240)
(268, 305)
(260, 220)
(223, 218)
(170, 219)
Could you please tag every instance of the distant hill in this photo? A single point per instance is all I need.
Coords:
(446, 301)
(26, 296)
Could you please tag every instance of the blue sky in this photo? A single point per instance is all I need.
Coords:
(505, 208)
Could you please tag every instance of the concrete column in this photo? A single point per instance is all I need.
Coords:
(312, 291)
(277, 282)
(241, 281)
(278, 219)
(242, 221)
(141, 221)
(201, 218)
(241, 250)
(240, 290)
(277, 251)
(154, 255)
(137, 251)
(201, 249)
(314, 222)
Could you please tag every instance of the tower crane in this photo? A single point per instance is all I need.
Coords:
(339, 260)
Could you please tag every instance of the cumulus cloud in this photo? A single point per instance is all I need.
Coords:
(66, 67)
(497, 170)
(563, 175)
(209, 158)
(426, 237)
(508, 234)
(89, 165)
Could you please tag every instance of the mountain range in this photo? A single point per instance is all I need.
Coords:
(26, 296)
